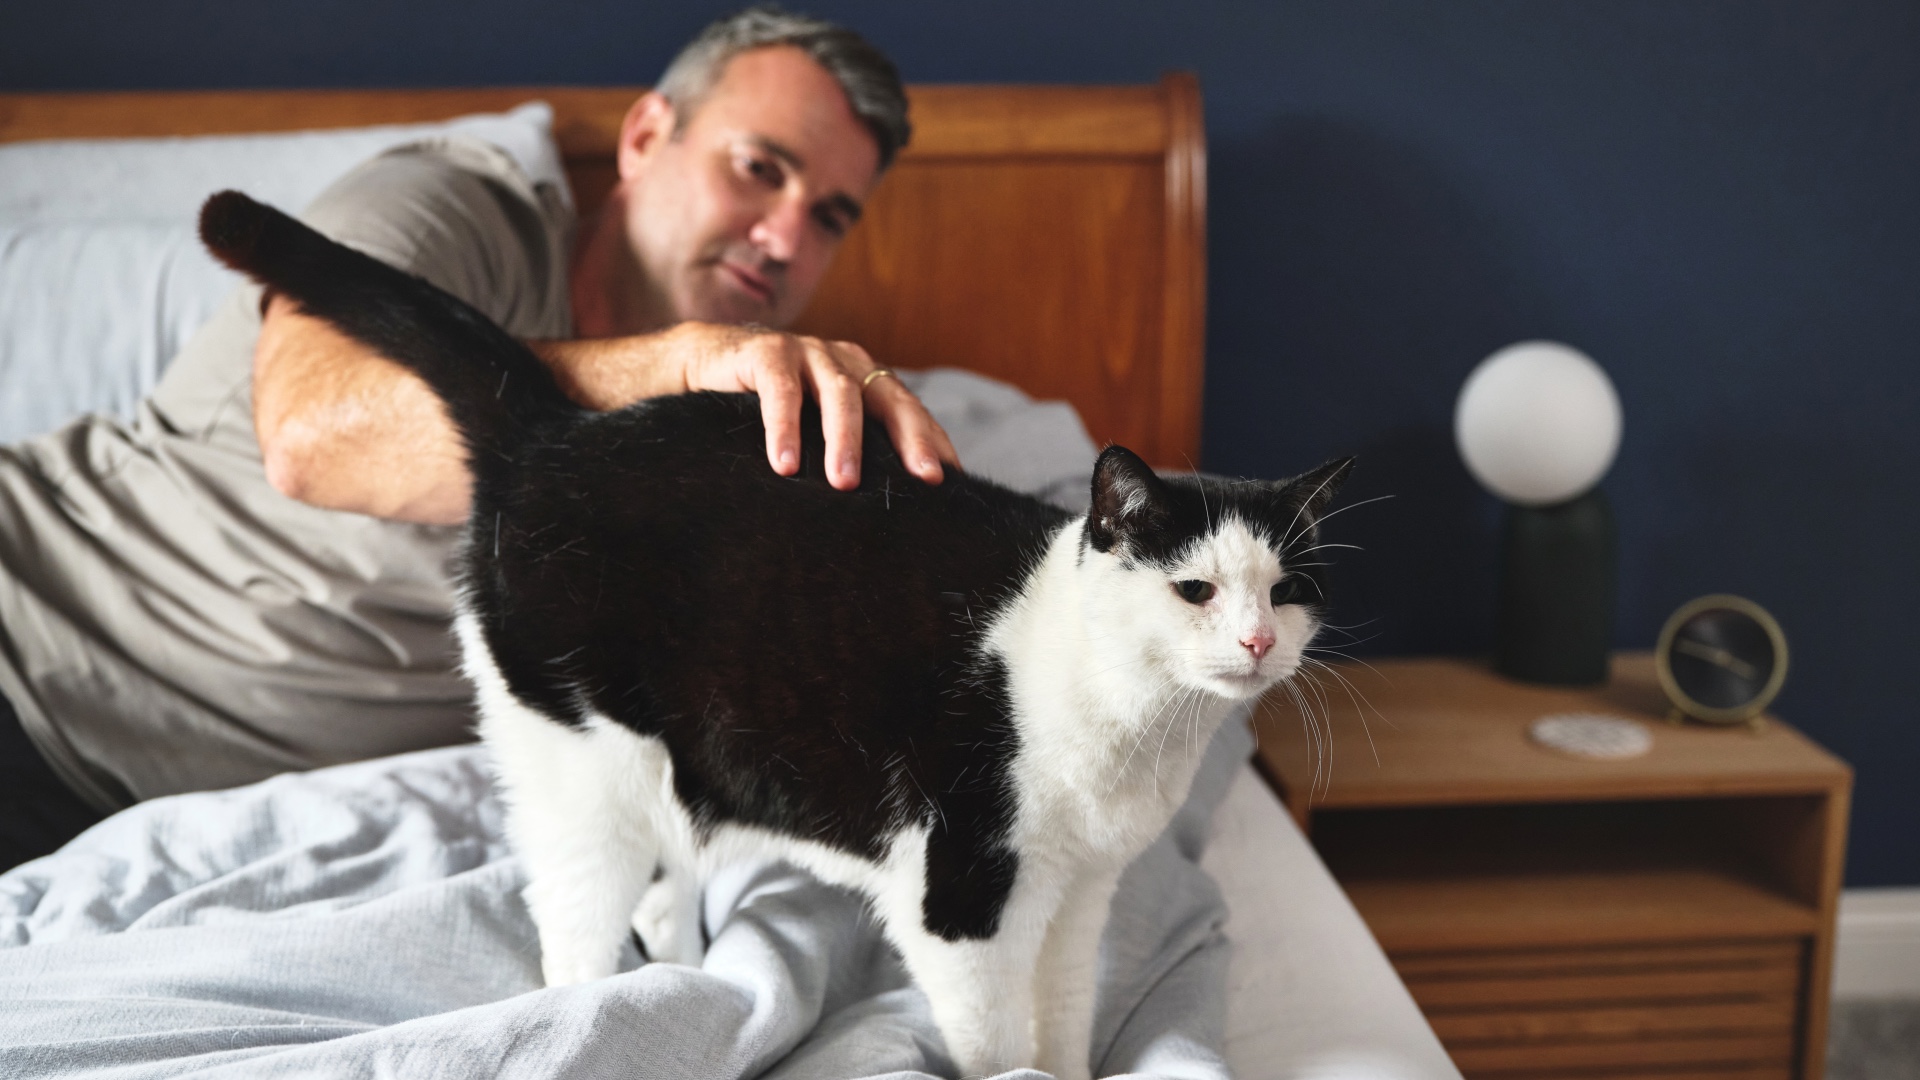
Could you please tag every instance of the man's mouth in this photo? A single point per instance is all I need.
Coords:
(751, 282)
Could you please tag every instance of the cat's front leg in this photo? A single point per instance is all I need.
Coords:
(969, 924)
(981, 995)
(1065, 981)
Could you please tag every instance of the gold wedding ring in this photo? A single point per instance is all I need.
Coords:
(875, 374)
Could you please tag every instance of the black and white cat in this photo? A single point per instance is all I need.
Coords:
(970, 706)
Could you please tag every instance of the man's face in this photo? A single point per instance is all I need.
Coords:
(735, 217)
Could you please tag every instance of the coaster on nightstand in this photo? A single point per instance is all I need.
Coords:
(1592, 735)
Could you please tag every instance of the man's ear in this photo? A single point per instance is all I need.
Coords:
(1127, 499)
(648, 124)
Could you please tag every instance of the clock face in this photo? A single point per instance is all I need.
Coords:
(1721, 658)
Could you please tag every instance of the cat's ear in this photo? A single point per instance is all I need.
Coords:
(1306, 496)
(1128, 499)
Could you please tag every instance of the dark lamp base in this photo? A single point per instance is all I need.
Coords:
(1556, 592)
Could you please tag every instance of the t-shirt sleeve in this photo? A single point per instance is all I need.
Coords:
(458, 213)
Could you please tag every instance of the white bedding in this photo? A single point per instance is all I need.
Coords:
(365, 920)
(1310, 996)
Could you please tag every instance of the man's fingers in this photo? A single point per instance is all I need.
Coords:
(778, 379)
(829, 370)
(918, 438)
(784, 368)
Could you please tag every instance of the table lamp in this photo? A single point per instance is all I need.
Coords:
(1538, 424)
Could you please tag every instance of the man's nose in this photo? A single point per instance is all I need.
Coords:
(779, 230)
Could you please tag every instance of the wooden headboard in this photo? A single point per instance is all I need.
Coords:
(1050, 236)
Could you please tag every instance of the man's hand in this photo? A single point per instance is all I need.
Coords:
(782, 368)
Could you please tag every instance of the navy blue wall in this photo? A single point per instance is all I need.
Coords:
(1720, 201)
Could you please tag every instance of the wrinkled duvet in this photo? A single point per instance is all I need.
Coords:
(365, 920)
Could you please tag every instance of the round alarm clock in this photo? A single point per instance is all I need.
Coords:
(1721, 659)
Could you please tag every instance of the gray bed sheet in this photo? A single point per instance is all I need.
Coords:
(365, 921)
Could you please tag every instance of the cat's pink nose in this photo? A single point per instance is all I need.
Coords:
(1258, 642)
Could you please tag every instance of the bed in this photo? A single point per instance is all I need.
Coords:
(361, 920)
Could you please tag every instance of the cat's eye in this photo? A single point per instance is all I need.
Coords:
(1286, 591)
(1194, 592)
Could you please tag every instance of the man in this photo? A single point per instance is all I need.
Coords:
(252, 577)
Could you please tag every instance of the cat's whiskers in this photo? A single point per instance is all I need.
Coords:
(1201, 486)
(1287, 533)
(1185, 708)
(1164, 729)
(1319, 735)
(1348, 630)
(1313, 738)
(1355, 660)
(1348, 657)
(1190, 697)
(1191, 724)
(1313, 684)
(1360, 703)
(1312, 727)
(1319, 547)
(1140, 736)
(1324, 518)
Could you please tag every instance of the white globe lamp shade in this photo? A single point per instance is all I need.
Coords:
(1537, 423)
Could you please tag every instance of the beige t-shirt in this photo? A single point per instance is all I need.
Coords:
(168, 621)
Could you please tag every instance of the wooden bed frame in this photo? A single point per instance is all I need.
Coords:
(1050, 236)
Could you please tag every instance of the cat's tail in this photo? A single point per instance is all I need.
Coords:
(498, 393)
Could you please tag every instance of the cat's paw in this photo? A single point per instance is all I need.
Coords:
(569, 970)
(668, 924)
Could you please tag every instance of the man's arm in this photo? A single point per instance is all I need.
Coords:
(347, 429)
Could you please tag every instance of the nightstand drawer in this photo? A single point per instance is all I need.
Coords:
(1651, 1010)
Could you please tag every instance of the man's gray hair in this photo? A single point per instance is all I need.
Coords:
(871, 82)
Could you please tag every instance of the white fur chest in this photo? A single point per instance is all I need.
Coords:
(1110, 736)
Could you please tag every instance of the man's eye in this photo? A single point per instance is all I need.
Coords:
(832, 222)
(761, 169)
(1194, 592)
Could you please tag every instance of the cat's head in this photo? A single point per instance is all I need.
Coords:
(1222, 581)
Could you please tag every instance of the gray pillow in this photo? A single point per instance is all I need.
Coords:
(101, 277)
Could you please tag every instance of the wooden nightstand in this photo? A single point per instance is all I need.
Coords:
(1666, 916)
